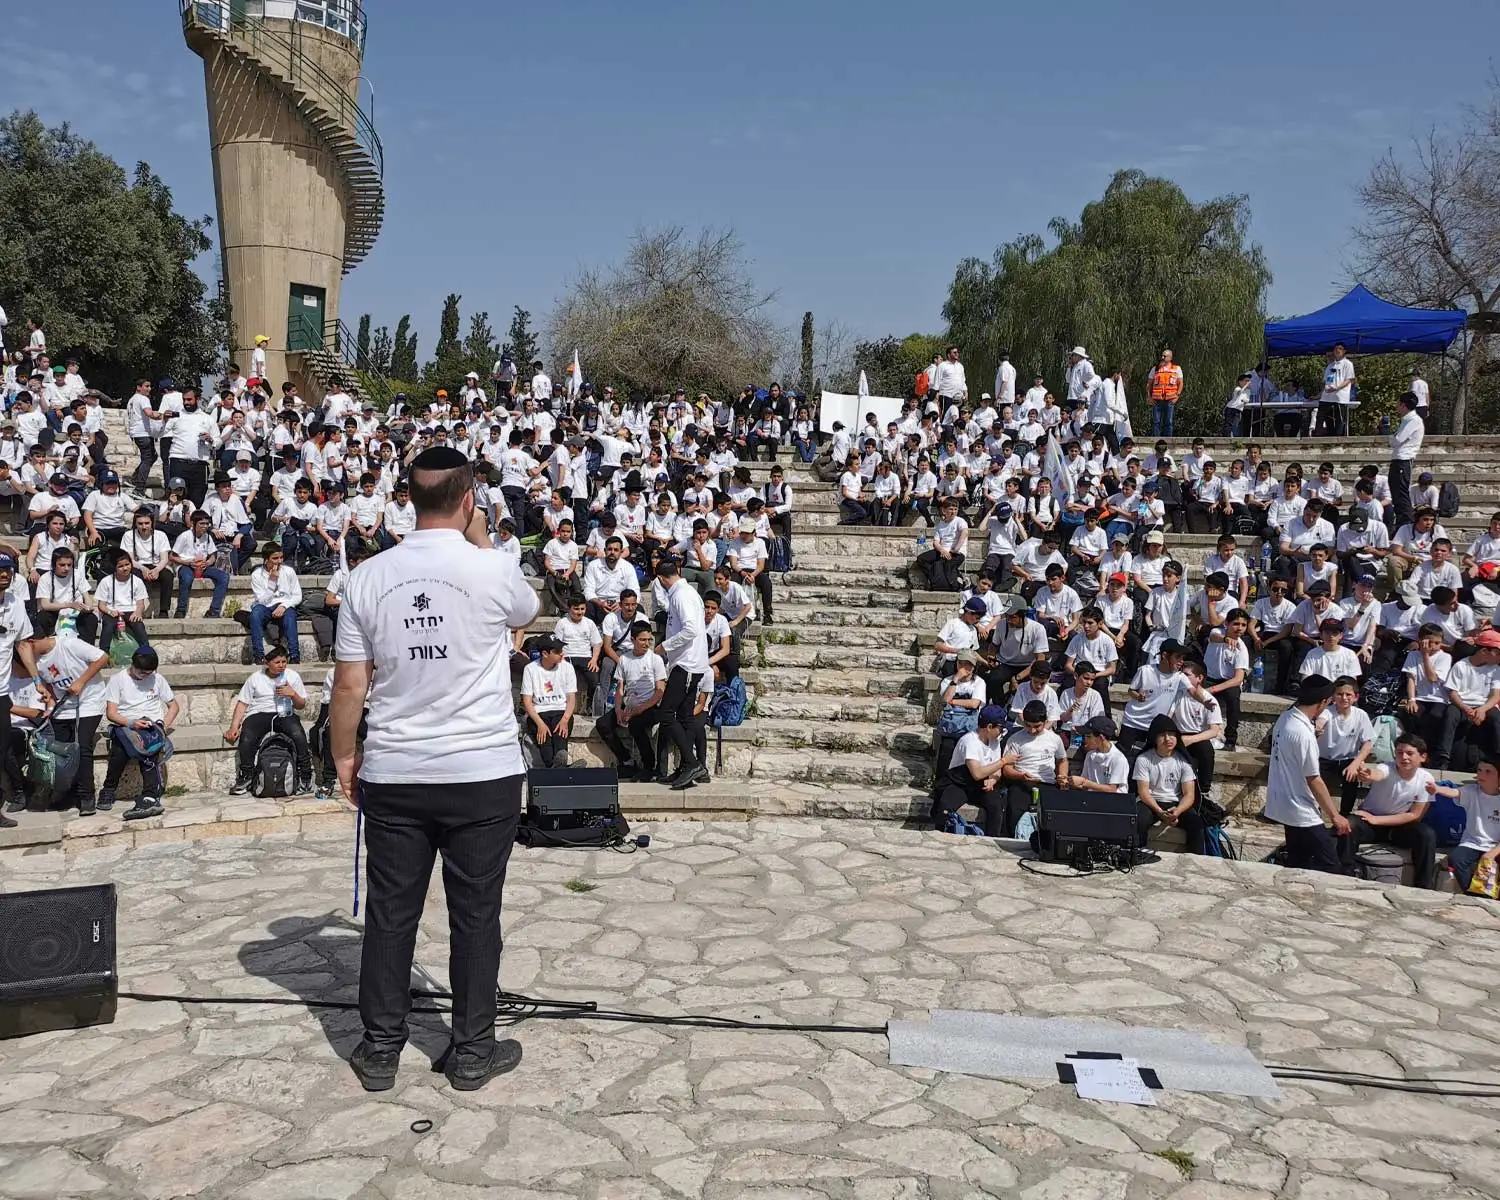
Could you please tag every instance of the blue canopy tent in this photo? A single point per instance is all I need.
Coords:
(1366, 324)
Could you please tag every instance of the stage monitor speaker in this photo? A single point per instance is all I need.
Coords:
(57, 959)
(1071, 818)
(572, 797)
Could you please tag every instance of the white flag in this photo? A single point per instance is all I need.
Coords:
(575, 377)
(864, 385)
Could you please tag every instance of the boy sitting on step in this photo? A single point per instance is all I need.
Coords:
(141, 710)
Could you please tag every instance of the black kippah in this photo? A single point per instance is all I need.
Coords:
(439, 458)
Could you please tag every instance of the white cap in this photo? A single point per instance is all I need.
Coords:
(985, 396)
(1080, 351)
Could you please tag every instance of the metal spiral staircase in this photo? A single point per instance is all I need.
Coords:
(277, 55)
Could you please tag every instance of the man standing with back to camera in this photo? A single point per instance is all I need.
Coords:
(429, 622)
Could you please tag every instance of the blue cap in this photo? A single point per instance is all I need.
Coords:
(167, 384)
(975, 605)
(992, 714)
(7, 563)
(1004, 509)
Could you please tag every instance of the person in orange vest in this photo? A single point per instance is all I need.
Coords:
(1164, 385)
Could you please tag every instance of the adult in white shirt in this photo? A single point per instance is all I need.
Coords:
(276, 592)
(1005, 381)
(1296, 796)
(1406, 444)
(269, 699)
(429, 623)
(195, 440)
(685, 649)
(948, 380)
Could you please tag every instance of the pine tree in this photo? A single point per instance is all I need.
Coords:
(521, 341)
(404, 352)
(362, 344)
(805, 375)
(380, 351)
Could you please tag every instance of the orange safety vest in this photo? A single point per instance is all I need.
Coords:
(1166, 383)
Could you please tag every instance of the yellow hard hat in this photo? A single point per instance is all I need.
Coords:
(261, 337)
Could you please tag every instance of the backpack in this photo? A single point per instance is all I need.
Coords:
(1383, 745)
(728, 704)
(781, 555)
(1447, 818)
(275, 771)
(1448, 500)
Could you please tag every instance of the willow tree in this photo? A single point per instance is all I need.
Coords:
(1142, 268)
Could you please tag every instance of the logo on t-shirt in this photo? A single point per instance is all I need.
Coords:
(421, 602)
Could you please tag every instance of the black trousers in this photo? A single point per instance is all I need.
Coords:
(1398, 475)
(257, 725)
(1313, 847)
(194, 474)
(1229, 705)
(675, 710)
(555, 744)
(147, 450)
(82, 730)
(1347, 790)
(472, 826)
(943, 574)
(1484, 737)
(961, 788)
(639, 728)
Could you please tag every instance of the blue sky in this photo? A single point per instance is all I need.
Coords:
(861, 149)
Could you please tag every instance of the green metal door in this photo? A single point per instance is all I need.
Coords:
(304, 321)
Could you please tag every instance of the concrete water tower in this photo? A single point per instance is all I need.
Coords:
(297, 171)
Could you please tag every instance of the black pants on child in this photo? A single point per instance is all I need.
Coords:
(257, 725)
(1190, 822)
(1417, 836)
(556, 746)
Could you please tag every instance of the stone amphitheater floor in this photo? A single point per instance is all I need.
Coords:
(789, 920)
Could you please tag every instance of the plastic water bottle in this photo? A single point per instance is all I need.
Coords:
(1258, 678)
(921, 541)
(1265, 556)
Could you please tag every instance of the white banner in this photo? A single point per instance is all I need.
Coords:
(851, 411)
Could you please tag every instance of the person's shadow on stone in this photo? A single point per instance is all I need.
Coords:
(317, 960)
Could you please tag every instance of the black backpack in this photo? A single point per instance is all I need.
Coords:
(1448, 500)
(275, 771)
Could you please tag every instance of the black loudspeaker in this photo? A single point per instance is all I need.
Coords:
(572, 797)
(57, 959)
(1071, 820)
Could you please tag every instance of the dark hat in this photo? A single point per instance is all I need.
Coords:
(993, 714)
(1034, 711)
(975, 605)
(1314, 689)
(1102, 726)
(548, 642)
(439, 458)
(1172, 646)
(221, 477)
(1319, 587)
(7, 563)
(1330, 625)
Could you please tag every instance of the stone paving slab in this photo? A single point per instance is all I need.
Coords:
(783, 920)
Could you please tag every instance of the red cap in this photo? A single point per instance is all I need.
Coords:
(1119, 577)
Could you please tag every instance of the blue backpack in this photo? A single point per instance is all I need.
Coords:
(728, 704)
(1447, 818)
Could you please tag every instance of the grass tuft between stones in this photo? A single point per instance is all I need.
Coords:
(580, 885)
(1180, 1159)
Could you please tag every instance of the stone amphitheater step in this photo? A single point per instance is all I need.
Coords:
(862, 635)
(797, 617)
(808, 706)
(785, 681)
(837, 658)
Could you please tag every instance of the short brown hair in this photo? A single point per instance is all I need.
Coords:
(440, 478)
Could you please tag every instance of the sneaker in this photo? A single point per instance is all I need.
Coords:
(302, 787)
(146, 806)
(374, 1068)
(324, 792)
(86, 808)
(625, 771)
(15, 804)
(241, 784)
(468, 1073)
(683, 780)
(1218, 743)
(106, 801)
(7, 822)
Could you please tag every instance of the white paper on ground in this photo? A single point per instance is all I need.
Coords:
(1115, 1079)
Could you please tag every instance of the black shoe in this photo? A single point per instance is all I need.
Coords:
(625, 772)
(374, 1068)
(7, 822)
(701, 775)
(87, 808)
(146, 806)
(241, 784)
(16, 804)
(468, 1073)
(106, 801)
(683, 780)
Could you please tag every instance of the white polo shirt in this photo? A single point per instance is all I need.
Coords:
(433, 614)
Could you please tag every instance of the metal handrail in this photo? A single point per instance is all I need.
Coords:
(337, 339)
(286, 56)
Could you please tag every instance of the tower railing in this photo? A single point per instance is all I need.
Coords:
(337, 116)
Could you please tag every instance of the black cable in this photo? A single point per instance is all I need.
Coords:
(523, 1008)
(1386, 1085)
(1288, 1070)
